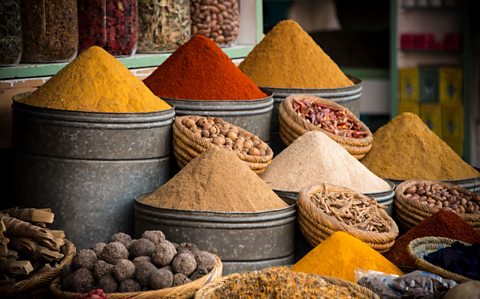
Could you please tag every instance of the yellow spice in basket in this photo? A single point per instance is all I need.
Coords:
(95, 82)
(406, 149)
(340, 255)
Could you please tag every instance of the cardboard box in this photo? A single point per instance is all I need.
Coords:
(450, 85)
(428, 84)
(409, 107)
(431, 114)
(456, 145)
(452, 121)
(409, 85)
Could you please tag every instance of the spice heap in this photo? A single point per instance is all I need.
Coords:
(458, 258)
(95, 82)
(287, 57)
(215, 181)
(444, 223)
(332, 120)
(132, 265)
(340, 255)
(406, 149)
(199, 70)
(315, 158)
(27, 246)
(277, 282)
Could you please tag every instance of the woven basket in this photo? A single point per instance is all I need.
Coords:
(37, 285)
(410, 213)
(420, 247)
(293, 126)
(357, 291)
(186, 147)
(317, 226)
(187, 290)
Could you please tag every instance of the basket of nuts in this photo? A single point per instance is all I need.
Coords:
(193, 135)
(417, 200)
(302, 113)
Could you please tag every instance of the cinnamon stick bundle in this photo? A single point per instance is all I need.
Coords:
(31, 214)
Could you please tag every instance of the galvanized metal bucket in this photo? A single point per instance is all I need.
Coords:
(472, 185)
(345, 96)
(252, 115)
(88, 167)
(243, 241)
(385, 198)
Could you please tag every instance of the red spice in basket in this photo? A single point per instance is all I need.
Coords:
(444, 223)
(199, 70)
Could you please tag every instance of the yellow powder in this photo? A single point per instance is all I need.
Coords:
(288, 57)
(340, 255)
(95, 82)
(406, 149)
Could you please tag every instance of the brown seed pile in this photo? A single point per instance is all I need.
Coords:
(352, 209)
(223, 134)
(443, 197)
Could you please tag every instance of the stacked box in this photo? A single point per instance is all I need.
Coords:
(450, 85)
(431, 114)
(428, 84)
(409, 107)
(452, 122)
(409, 85)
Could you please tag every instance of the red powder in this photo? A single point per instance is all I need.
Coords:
(199, 70)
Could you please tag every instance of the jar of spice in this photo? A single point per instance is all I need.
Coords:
(164, 25)
(10, 32)
(110, 24)
(216, 19)
(49, 30)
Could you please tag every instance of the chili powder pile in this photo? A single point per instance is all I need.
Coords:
(444, 223)
(199, 70)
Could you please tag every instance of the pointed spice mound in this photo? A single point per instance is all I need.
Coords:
(95, 82)
(199, 70)
(288, 57)
(217, 180)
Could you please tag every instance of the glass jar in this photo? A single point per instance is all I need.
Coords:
(216, 19)
(110, 24)
(164, 25)
(49, 30)
(10, 32)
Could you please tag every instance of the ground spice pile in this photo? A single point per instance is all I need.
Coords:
(95, 82)
(288, 57)
(340, 255)
(315, 158)
(441, 224)
(199, 70)
(406, 149)
(217, 180)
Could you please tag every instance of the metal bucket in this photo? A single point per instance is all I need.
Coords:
(348, 97)
(252, 115)
(88, 167)
(243, 241)
(472, 185)
(385, 198)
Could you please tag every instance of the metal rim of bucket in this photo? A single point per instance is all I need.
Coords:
(469, 184)
(383, 194)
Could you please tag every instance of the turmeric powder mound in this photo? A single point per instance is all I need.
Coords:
(217, 180)
(288, 57)
(406, 149)
(340, 255)
(95, 82)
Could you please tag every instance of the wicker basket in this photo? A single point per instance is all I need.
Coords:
(187, 290)
(356, 290)
(410, 213)
(420, 247)
(186, 147)
(37, 285)
(317, 226)
(293, 126)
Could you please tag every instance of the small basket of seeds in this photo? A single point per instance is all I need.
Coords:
(324, 209)
(193, 135)
(416, 200)
(302, 113)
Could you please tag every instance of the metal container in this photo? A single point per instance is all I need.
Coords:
(385, 198)
(252, 115)
(243, 241)
(472, 185)
(88, 167)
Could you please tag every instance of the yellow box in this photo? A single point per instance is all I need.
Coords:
(456, 145)
(452, 121)
(431, 114)
(409, 107)
(409, 80)
(450, 85)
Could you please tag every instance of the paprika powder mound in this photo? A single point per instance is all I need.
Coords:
(444, 223)
(199, 70)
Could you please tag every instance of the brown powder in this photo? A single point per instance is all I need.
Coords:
(217, 180)
(406, 149)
